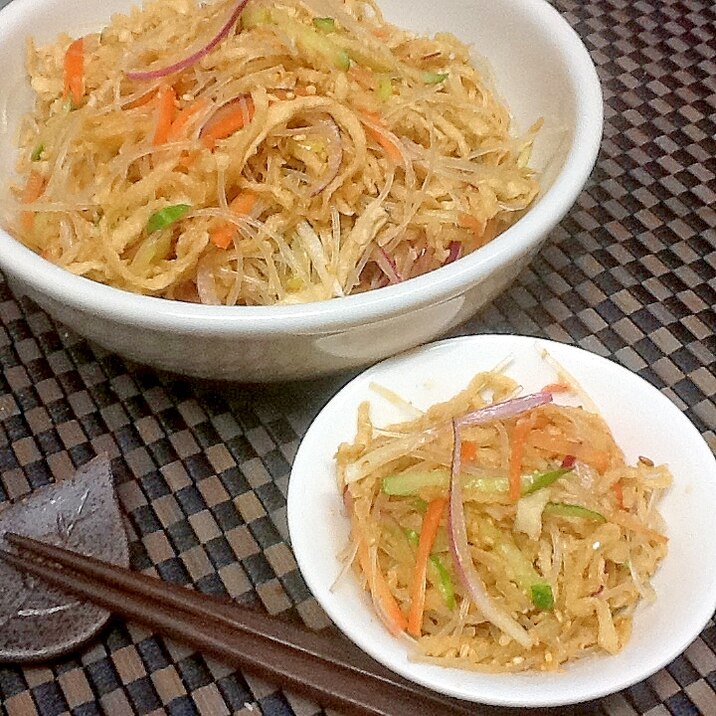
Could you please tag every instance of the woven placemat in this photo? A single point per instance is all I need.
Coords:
(203, 469)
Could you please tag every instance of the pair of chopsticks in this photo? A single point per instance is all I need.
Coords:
(326, 669)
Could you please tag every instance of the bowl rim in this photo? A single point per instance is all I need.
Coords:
(76, 292)
(525, 690)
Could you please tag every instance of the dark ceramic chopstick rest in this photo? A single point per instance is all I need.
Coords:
(80, 513)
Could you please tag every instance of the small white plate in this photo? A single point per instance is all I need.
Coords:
(644, 422)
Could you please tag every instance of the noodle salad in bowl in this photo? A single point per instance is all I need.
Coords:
(296, 151)
(181, 179)
(505, 520)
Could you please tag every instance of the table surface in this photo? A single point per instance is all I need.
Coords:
(202, 469)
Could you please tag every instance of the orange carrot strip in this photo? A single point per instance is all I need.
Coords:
(221, 236)
(468, 221)
(389, 147)
(468, 451)
(383, 599)
(226, 120)
(373, 117)
(141, 101)
(431, 522)
(391, 150)
(33, 188)
(618, 494)
(242, 205)
(362, 76)
(557, 388)
(187, 159)
(389, 611)
(599, 459)
(32, 191)
(184, 116)
(167, 97)
(74, 70)
(523, 427)
(482, 231)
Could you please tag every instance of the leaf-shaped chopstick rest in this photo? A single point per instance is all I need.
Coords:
(80, 513)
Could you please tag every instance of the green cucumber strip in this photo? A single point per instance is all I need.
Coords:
(166, 216)
(412, 481)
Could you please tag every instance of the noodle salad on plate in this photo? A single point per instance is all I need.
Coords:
(258, 153)
(502, 530)
(507, 526)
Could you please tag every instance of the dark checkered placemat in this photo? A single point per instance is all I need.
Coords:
(203, 469)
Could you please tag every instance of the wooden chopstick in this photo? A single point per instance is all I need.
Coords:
(333, 673)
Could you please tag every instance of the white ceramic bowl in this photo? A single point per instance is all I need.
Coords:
(643, 421)
(541, 69)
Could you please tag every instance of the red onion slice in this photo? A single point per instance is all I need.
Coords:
(455, 249)
(220, 112)
(506, 409)
(196, 56)
(464, 567)
(387, 265)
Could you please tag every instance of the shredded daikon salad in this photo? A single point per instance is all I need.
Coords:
(262, 152)
(502, 531)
